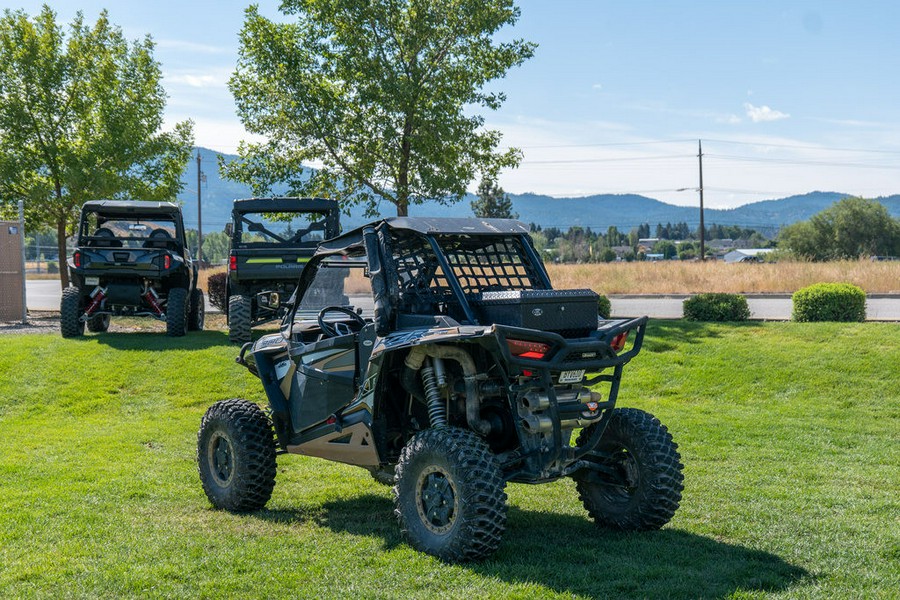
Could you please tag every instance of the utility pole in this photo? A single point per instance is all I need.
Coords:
(702, 225)
(200, 215)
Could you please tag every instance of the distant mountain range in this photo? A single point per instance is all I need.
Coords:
(598, 212)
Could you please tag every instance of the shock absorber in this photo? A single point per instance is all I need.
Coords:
(97, 296)
(152, 299)
(437, 413)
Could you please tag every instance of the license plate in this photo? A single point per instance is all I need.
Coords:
(92, 281)
(571, 376)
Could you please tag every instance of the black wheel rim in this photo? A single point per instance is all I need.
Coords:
(221, 459)
(437, 500)
(622, 486)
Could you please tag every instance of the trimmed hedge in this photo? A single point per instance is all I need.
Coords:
(216, 290)
(829, 302)
(716, 307)
(604, 306)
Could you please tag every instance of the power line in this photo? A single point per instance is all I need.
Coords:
(803, 147)
(820, 163)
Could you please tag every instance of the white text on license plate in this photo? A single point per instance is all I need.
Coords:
(571, 376)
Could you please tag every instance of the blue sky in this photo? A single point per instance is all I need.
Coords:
(788, 97)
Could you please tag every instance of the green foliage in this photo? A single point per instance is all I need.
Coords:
(379, 93)
(791, 480)
(492, 201)
(716, 307)
(604, 306)
(829, 302)
(217, 290)
(79, 120)
(666, 248)
(851, 228)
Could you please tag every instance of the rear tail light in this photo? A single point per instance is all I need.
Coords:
(526, 349)
(76, 259)
(167, 261)
(618, 342)
(232, 263)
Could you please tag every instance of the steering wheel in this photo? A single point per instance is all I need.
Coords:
(338, 329)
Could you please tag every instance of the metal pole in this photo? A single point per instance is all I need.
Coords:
(22, 248)
(199, 215)
(702, 225)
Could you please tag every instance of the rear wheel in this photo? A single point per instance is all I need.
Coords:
(236, 455)
(98, 323)
(239, 308)
(197, 311)
(638, 481)
(177, 312)
(449, 495)
(70, 323)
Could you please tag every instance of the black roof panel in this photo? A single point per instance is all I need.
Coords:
(276, 204)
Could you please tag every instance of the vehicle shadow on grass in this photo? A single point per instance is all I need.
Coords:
(159, 341)
(570, 555)
(666, 335)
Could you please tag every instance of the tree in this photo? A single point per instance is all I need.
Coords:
(378, 93)
(849, 229)
(492, 201)
(79, 120)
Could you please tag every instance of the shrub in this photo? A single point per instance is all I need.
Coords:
(716, 307)
(829, 302)
(604, 306)
(216, 290)
(52, 267)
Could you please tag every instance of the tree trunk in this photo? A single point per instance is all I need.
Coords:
(61, 248)
(403, 169)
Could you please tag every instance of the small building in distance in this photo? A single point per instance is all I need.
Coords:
(746, 255)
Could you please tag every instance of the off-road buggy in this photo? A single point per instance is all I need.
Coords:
(272, 239)
(452, 369)
(130, 260)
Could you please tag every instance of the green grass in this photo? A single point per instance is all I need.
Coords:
(790, 436)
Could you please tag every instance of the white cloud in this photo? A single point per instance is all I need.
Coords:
(761, 114)
(197, 81)
(597, 86)
(185, 46)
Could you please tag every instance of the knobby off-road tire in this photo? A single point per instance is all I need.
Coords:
(239, 308)
(197, 311)
(98, 323)
(70, 325)
(177, 312)
(648, 468)
(449, 495)
(236, 455)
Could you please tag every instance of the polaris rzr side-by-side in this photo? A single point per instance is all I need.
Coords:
(271, 241)
(131, 260)
(449, 368)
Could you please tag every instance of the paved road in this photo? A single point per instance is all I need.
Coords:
(45, 295)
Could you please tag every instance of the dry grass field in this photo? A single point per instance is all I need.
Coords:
(674, 277)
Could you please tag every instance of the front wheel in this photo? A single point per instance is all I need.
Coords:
(637, 482)
(449, 495)
(98, 323)
(236, 455)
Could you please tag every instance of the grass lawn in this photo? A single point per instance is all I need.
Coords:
(790, 436)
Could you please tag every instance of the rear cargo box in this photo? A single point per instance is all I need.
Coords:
(567, 312)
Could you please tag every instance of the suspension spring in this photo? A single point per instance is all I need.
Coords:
(437, 413)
